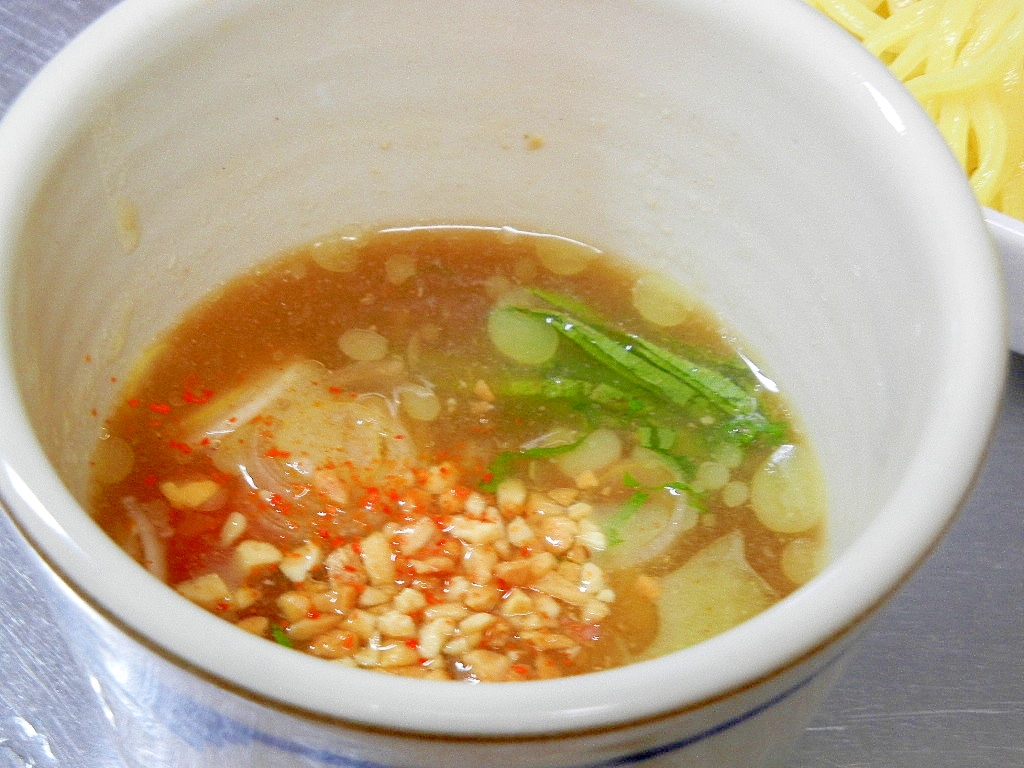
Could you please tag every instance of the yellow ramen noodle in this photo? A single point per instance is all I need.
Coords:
(964, 62)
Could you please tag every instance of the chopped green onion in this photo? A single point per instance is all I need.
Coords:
(623, 515)
(656, 438)
(629, 481)
(280, 636)
(503, 466)
(552, 388)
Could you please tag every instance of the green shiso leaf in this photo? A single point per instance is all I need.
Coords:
(659, 371)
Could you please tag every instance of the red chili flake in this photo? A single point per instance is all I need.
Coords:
(205, 441)
(331, 539)
(223, 605)
(433, 599)
(399, 437)
(521, 669)
(278, 502)
(335, 390)
(183, 447)
(349, 641)
(356, 547)
(412, 642)
(160, 407)
(502, 584)
(277, 453)
(133, 402)
(113, 379)
(149, 480)
(312, 613)
(202, 397)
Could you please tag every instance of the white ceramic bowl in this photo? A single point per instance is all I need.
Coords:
(751, 150)
(1008, 233)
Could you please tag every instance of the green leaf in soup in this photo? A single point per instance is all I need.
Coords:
(504, 464)
(615, 356)
(672, 377)
(623, 514)
(280, 636)
(588, 397)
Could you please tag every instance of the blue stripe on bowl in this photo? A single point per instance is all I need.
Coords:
(202, 727)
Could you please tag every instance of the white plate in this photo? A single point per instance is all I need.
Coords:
(1009, 236)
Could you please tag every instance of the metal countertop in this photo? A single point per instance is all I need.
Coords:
(937, 682)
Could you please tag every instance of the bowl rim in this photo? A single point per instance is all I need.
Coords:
(1008, 233)
(906, 529)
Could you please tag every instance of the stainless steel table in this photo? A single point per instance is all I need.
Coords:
(937, 683)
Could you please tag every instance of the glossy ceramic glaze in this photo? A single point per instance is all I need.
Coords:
(1008, 234)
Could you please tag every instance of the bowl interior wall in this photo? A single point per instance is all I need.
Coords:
(285, 125)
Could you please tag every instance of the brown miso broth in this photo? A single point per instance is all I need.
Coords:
(461, 453)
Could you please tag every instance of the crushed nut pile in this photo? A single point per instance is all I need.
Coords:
(469, 585)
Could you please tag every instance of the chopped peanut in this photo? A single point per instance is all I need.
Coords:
(234, 526)
(376, 555)
(189, 495)
(208, 590)
(487, 666)
(511, 495)
(471, 585)
(256, 625)
(307, 629)
(250, 555)
(297, 564)
(294, 605)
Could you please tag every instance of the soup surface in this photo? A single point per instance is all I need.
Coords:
(461, 453)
